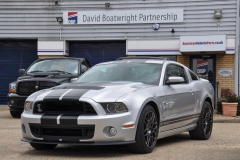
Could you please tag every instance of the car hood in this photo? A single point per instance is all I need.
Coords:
(48, 78)
(97, 91)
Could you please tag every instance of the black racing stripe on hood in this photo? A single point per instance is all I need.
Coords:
(84, 87)
(57, 93)
(49, 119)
(77, 93)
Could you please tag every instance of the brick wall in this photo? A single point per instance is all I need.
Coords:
(184, 59)
(50, 56)
(224, 61)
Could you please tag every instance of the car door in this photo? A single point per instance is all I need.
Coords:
(178, 106)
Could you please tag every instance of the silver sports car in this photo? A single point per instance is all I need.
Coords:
(132, 101)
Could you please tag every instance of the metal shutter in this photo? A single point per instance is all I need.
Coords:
(97, 51)
(14, 54)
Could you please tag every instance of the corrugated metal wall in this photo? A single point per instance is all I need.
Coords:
(37, 19)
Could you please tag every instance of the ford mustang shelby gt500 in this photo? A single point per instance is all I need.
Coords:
(132, 101)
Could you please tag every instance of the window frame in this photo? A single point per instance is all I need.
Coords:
(193, 74)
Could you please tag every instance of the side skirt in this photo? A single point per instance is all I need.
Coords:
(176, 131)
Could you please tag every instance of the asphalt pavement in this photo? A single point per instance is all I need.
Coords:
(223, 144)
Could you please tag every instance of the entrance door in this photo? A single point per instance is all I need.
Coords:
(204, 67)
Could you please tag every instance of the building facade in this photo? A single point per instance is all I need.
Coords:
(188, 31)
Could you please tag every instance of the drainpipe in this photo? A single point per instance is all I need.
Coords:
(236, 69)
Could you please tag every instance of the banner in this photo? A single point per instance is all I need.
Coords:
(202, 66)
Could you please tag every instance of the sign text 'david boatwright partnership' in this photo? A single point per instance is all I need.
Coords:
(123, 16)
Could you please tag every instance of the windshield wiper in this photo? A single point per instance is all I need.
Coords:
(59, 71)
(35, 71)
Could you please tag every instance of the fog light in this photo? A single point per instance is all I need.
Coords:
(23, 129)
(113, 131)
(12, 101)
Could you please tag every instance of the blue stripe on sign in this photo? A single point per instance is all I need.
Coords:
(142, 50)
(50, 51)
(230, 49)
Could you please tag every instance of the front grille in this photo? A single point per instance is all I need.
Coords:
(74, 133)
(64, 107)
(30, 87)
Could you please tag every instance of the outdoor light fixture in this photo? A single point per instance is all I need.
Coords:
(217, 13)
(107, 5)
(56, 2)
(172, 30)
(59, 19)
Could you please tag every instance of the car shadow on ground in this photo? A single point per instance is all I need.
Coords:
(65, 151)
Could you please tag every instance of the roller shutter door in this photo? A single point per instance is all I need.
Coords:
(14, 54)
(97, 51)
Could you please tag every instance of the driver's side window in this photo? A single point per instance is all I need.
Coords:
(175, 70)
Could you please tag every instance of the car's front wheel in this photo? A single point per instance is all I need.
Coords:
(147, 131)
(43, 146)
(204, 125)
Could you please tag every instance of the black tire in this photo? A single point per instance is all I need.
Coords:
(147, 132)
(204, 126)
(16, 114)
(38, 146)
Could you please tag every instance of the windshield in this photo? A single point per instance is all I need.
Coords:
(63, 66)
(134, 72)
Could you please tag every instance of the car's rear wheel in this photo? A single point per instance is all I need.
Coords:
(16, 114)
(203, 130)
(38, 146)
(147, 131)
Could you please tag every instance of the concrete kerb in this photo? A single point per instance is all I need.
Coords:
(219, 118)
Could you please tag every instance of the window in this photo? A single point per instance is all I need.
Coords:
(133, 72)
(193, 76)
(174, 70)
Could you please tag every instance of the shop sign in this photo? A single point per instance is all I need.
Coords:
(203, 43)
(202, 66)
(123, 16)
(225, 72)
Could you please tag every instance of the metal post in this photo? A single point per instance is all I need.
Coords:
(236, 66)
(216, 95)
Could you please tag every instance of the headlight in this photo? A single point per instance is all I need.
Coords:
(12, 87)
(28, 106)
(112, 108)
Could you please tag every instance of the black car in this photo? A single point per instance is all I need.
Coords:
(42, 74)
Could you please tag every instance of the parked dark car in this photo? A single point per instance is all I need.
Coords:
(43, 74)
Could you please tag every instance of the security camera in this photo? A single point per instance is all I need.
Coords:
(107, 5)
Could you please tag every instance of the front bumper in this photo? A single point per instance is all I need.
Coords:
(100, 122)
(80, 143)
(19, 101)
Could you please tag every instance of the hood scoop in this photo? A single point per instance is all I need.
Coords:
(40, 75)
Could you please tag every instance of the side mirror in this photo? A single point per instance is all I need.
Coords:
(174, 80)
(21, 72)
(73, 80)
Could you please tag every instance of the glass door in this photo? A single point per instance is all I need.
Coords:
(204, 67)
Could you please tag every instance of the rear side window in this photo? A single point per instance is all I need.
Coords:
(193, 76)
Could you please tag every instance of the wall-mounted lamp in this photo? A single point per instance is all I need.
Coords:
(56, 2)
(59, 19)
(172, 30)
(107, 5)
(217, 13)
